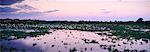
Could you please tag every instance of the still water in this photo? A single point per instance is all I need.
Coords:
(80, 41)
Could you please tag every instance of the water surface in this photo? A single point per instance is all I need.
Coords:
(80, 41)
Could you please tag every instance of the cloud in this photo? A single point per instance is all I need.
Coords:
(20, 15)
(105, 11)
(120, 0)
(31, 13)
(22, 10)
(25, 7)
(9, 2)
(102, 9)
(24, 15)
(51, 11)
(37, 12)
(8, 9)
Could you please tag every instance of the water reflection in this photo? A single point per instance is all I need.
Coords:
(80, 41)
(17, 46)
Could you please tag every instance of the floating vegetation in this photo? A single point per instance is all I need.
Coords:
(73, 50)
(88, 41)
(34, 44)
(85, 49)
(44, 42)
(52, 45)
(145, 40)
(65, 43)
(10, 35)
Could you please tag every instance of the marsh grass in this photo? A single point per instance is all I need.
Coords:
(120, 29)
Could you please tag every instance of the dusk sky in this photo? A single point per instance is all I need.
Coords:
(93, 10)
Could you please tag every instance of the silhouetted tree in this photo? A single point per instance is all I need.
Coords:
(140, 20)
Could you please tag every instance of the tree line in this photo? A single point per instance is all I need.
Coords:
(29, 21)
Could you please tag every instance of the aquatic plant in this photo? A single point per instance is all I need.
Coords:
(73, 50)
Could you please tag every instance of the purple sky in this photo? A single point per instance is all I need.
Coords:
(74, 10)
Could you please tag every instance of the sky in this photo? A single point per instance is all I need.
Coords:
(76, 10)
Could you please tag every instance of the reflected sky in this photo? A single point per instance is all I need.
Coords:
(64, 40)
(99, 10)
